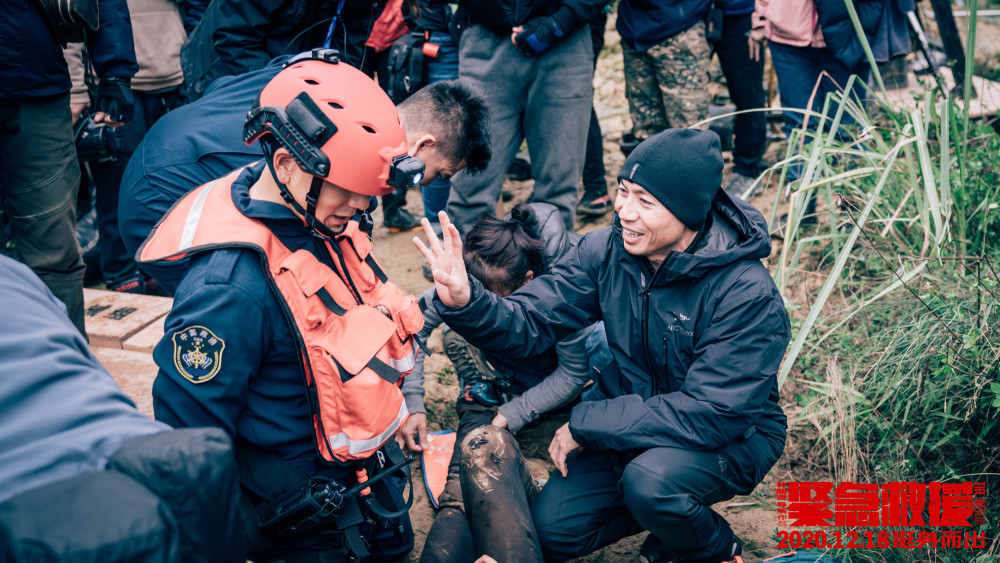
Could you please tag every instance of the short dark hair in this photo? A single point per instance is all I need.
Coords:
(457, 116)
(500, 252)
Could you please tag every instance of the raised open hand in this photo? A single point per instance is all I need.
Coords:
(447, 264)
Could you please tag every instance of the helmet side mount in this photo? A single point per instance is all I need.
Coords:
(301, 128)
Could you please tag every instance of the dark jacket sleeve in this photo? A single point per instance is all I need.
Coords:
(724, 393)
(193, 11)
(838, 29)
(582, 11)
(111, 47)
(539, 314)
(219, 401)
(240, 38)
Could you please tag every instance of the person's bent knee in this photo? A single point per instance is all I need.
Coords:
(557, 545)
(650, 498)
(488, 442)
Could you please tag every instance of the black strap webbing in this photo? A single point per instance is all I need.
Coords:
(422, 345)
(330, 302)
(375, 268)
(384, 370)
(349, 519)
(395, 460)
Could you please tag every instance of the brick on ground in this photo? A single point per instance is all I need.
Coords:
(123, 329)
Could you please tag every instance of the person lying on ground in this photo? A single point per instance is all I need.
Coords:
(497, 390)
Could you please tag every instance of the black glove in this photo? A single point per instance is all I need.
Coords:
(539, 34)
(114, 97)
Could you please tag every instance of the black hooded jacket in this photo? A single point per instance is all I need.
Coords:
(696, 344)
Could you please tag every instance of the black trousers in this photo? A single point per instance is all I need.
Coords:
(744, 78)
(117, 263)
(593, 163)
(607, 496)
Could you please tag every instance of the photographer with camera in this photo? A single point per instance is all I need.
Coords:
(104, 151)
(39, 174)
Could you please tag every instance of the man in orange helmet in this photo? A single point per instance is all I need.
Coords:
(285, 331)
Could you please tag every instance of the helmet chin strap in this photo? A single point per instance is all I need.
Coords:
(311, 198)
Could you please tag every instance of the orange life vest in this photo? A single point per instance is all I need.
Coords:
(354, 354)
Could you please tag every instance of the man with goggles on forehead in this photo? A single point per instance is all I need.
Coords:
(285, 331)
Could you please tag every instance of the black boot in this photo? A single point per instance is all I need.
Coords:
(479, 381)
(395, 218)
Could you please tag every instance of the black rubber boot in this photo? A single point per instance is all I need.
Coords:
(395, 218)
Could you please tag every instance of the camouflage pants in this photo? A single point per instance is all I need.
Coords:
(667, 85)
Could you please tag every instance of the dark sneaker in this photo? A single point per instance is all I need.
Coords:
(133, 284)
(594, 204)
(628, 143)
(478, 379)
(735, 552)
(519, 170)
(738, 185)
(399, 220)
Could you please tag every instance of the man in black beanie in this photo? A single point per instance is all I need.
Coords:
(686, 414)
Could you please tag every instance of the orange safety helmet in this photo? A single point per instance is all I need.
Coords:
(337, 124)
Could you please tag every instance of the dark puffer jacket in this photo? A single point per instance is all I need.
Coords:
(696, 344)
(33, 66)
(235, 36)
(645, 23)
(838, 29)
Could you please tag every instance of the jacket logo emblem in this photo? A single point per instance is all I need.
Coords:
(197, 353)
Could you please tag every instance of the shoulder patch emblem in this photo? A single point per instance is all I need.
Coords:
(197, 353)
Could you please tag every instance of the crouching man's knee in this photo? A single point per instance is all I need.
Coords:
(557, 545)
(653, 500)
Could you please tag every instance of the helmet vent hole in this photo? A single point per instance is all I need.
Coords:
(335, 105)
(312, 81)
(368, 128)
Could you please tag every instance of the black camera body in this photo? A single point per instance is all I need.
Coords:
(96, 142)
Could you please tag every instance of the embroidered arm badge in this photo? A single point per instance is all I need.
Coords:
(197, 353)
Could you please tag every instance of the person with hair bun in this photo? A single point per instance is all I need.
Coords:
(500, 394)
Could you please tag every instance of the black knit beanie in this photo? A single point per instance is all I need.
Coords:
(681, 168)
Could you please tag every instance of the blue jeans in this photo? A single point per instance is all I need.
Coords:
(442, 67)
(798, 70)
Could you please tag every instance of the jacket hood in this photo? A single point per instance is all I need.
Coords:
(737, 231)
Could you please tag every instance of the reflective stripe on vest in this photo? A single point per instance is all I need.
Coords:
(354, 447)
(406, 364)
(354, 354)
(194, 216)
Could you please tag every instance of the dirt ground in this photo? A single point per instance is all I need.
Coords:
(752, 517)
